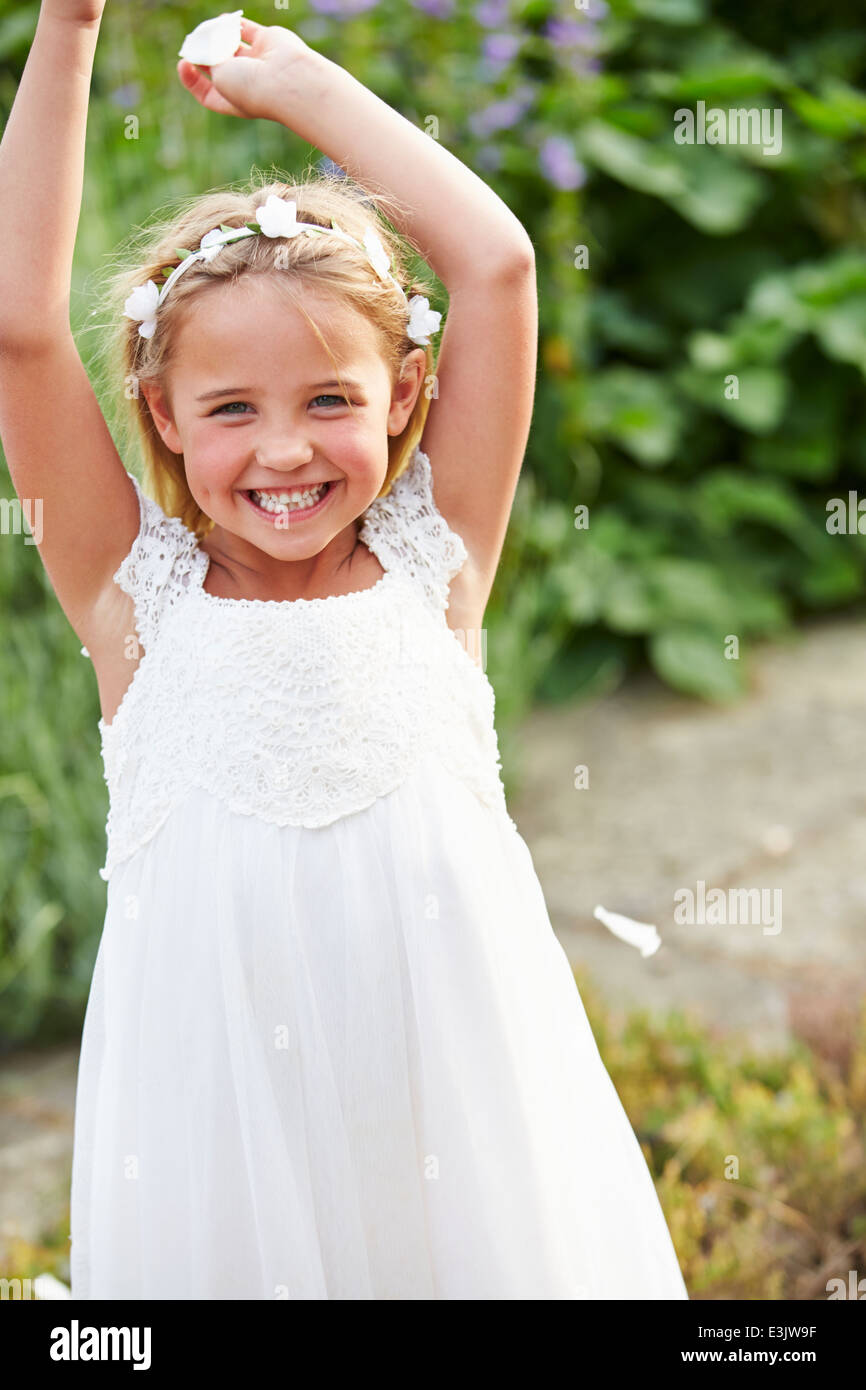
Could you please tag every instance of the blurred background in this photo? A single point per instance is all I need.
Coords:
(676, 638)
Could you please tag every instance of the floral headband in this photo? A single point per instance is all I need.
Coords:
(277, 218)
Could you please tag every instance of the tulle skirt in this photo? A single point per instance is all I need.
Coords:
(349, 1063)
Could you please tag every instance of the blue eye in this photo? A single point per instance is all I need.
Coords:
(227, 408)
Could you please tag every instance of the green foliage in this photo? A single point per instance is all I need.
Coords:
(702, 404)
(706, 507)
(759, 1159)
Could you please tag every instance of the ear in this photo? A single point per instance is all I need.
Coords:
(158, 404)
(407, 389)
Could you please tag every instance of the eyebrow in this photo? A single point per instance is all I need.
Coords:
(248, 390)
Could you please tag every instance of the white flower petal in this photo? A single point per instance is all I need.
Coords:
(422, 320)
(278, 216)
(213, 41)
(141, 304)
(643, 935)
(379, 258)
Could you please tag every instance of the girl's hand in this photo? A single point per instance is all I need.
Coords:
(251, 83)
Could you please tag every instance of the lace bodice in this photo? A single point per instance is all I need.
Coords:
(298, 712)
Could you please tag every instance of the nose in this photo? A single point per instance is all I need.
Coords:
(283, 452)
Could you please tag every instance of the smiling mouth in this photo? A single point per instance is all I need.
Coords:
(289, 500)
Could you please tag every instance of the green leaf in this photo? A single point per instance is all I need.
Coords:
(834, 576)
(629, 605)
(839, 110)
(720, 195)
(760, 404)
(763, 395)
(182, 252)
(841, 331)
(690, 590)
(613, 320)
(726, 497)
(693, 660)
(796, 456)
(637, 163)
(551, 527)
(637, 410)
(674, 12)
(593, 666)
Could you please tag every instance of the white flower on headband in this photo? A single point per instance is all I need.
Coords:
(379, 258)
(213, 41)
(210, 243)
(278, 217)
(422, 320)
(141, 304)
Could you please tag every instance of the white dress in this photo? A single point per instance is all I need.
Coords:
(333, 1048)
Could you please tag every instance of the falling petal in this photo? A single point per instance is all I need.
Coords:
(643, 935)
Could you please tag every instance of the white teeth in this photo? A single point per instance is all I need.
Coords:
(288, 501)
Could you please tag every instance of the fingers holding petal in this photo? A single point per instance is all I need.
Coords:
(199, 84)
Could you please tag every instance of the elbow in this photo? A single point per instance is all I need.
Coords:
(517, 262)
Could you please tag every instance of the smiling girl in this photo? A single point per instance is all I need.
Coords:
(332, 1049)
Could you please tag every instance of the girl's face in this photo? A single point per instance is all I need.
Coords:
(253, 404)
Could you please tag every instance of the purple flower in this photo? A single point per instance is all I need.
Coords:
(492, 13)
(489, 158)
(127, 95)
(560, 165)
(572, 33)
(328, 166)
(344, 8)
(500, 115)
(439, 9)
(501, 48)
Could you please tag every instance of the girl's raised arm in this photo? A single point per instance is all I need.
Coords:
(479, 419)
(60, 453)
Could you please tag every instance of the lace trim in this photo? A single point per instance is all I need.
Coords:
(160, 567)
(405, 530)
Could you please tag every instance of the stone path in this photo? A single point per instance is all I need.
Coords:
(767, 794)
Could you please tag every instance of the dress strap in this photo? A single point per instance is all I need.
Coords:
(406, 532)
(157, 571)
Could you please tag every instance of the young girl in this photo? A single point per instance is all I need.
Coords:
(333, 1048)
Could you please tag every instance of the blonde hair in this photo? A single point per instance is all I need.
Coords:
(321, 263)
